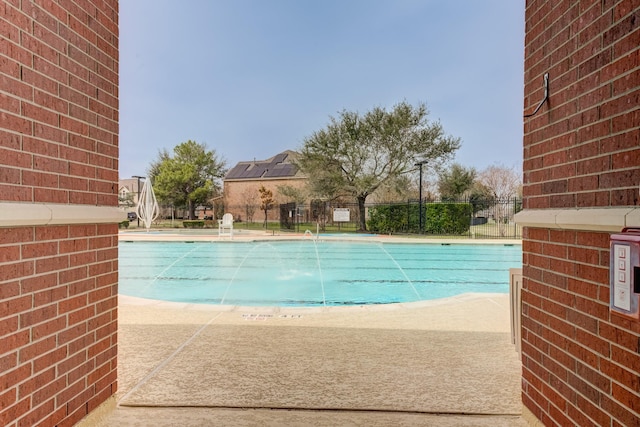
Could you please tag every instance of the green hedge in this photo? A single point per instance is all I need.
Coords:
(447, 218)
(123, 224)
(392, 218)
(438, 218)
(197, 223)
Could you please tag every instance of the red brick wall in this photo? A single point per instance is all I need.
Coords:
(583, 148)
(58, 145)
(237, 194)
(581, 364)
(58, 322)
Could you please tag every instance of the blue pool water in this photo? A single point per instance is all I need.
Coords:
(311, 273)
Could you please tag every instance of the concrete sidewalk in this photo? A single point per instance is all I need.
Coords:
(446, 362)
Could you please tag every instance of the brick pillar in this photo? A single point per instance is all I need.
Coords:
(58, 209)
(581, 362)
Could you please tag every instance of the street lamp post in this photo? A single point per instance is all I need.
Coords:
(420, 194)
(138, 192)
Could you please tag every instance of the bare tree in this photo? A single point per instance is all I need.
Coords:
(504, 184)
(250, 202)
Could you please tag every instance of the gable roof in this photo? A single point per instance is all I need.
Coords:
(278, 166)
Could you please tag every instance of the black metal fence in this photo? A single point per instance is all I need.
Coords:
(491, 219)
(481, 219)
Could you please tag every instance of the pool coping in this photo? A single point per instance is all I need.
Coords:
(250, 236)
(173, 305)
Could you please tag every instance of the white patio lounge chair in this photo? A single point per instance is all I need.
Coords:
(225, 226)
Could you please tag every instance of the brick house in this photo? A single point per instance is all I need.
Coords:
(242, 181)
(128, 191)
(580, 359)
(240, 185)
(58, 210)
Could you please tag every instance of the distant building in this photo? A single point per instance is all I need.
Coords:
(128, 192)
(241, 197)
(241, 184)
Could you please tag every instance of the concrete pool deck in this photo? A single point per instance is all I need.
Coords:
(447, 362)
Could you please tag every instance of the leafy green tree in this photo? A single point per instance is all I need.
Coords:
(398, 188)
(266, 201)
(480, 197)
(355, 154)
(188, 178)
(291, 193)
(455, 182)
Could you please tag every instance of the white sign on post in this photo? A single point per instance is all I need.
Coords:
(341, 215)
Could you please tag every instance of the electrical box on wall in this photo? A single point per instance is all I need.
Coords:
(625, 273)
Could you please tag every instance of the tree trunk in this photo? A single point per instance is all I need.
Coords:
(361, 209)
(192, 210)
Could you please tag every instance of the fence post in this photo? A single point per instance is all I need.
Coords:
(515, 226)
(408, 216)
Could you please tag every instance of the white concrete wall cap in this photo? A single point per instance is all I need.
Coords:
(611, 219)
(14, 214)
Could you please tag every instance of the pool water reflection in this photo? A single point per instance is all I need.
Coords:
(312, 273)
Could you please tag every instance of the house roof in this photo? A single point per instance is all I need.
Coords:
(278, 166)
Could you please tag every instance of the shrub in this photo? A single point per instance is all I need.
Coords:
(438, 218)
(197, 223)
(392, 218)
(123, 224)
(447, 218)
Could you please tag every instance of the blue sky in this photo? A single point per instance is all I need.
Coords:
(252, 78)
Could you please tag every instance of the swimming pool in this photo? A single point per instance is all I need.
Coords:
(311, 273)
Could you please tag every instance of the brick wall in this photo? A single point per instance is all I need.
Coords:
(58, 189)
(237, 194)
(583, 148)
(581, 363)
